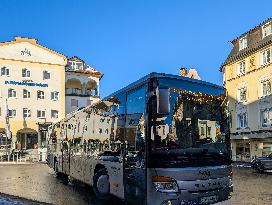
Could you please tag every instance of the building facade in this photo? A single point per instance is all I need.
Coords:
(32, 82)
(39, 87)
(81, 85)
(247, 77)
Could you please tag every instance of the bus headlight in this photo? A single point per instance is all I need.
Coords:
(165, 184)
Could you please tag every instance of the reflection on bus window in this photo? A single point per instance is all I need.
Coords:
(136, 101)
(195, 125)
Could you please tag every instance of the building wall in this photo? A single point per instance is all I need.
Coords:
(26, 53)
(253, 140)
(252, 80)
(81, 81)
(82, 102)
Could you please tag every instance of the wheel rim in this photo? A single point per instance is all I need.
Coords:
(103, 185)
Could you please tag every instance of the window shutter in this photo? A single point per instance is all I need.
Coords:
(270, 83)
(268, 56)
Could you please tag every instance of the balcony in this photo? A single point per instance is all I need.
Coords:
(80, 92)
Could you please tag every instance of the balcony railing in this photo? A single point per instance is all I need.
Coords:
(80, 92)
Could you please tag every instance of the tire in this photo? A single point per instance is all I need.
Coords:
(101, 184)
(259, 168)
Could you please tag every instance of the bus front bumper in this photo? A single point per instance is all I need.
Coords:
(187, 198)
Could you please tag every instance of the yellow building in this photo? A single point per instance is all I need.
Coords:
(247, 79)
(32, 80)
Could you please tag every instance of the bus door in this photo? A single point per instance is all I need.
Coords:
(65, 158)
(135, 169)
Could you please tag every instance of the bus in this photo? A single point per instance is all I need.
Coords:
(162, 140)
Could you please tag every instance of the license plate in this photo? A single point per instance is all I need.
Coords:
(209, 199)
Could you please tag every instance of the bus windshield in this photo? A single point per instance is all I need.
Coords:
(193, 133)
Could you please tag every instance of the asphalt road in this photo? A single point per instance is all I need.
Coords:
(38, 183)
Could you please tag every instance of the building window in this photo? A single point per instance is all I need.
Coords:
(265, 57)
(11, 93)
(26, 112)
(74, 102)
(40, 113)
(54, 114)
(40, 94)
(25, 72)
(54, 95)
(243, 43)
(266, 29)
(242, 68)
(242, 120)
(163, 130)
(5, 71)
(12, 113)
(26, 94)
(73, 65)
(46, 75)
(202, 131)
(89, 102)
(242, 92)
(209, 130)
(266, 117)
(266, 86)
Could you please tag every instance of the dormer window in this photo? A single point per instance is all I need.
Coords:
(267, 29)
(265, 57)
(242, 43)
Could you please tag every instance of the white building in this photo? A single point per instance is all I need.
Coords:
(32, 81)
(81, 85)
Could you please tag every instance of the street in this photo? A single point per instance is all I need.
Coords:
(38, 183)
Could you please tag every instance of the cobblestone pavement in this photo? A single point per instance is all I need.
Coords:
(38, 183)
(251, 188)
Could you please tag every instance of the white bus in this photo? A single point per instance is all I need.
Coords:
(162, 140)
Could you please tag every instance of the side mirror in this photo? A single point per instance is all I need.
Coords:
(163, 103)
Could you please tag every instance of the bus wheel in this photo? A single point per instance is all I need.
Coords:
(101, 184)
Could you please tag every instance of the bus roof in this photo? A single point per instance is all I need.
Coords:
(207, 87)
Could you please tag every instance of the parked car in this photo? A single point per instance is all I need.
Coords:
(262, 164)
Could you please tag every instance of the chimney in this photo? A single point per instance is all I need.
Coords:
(183, 71)
(193, 74)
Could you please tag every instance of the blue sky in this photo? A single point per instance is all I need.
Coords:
(131, 38)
